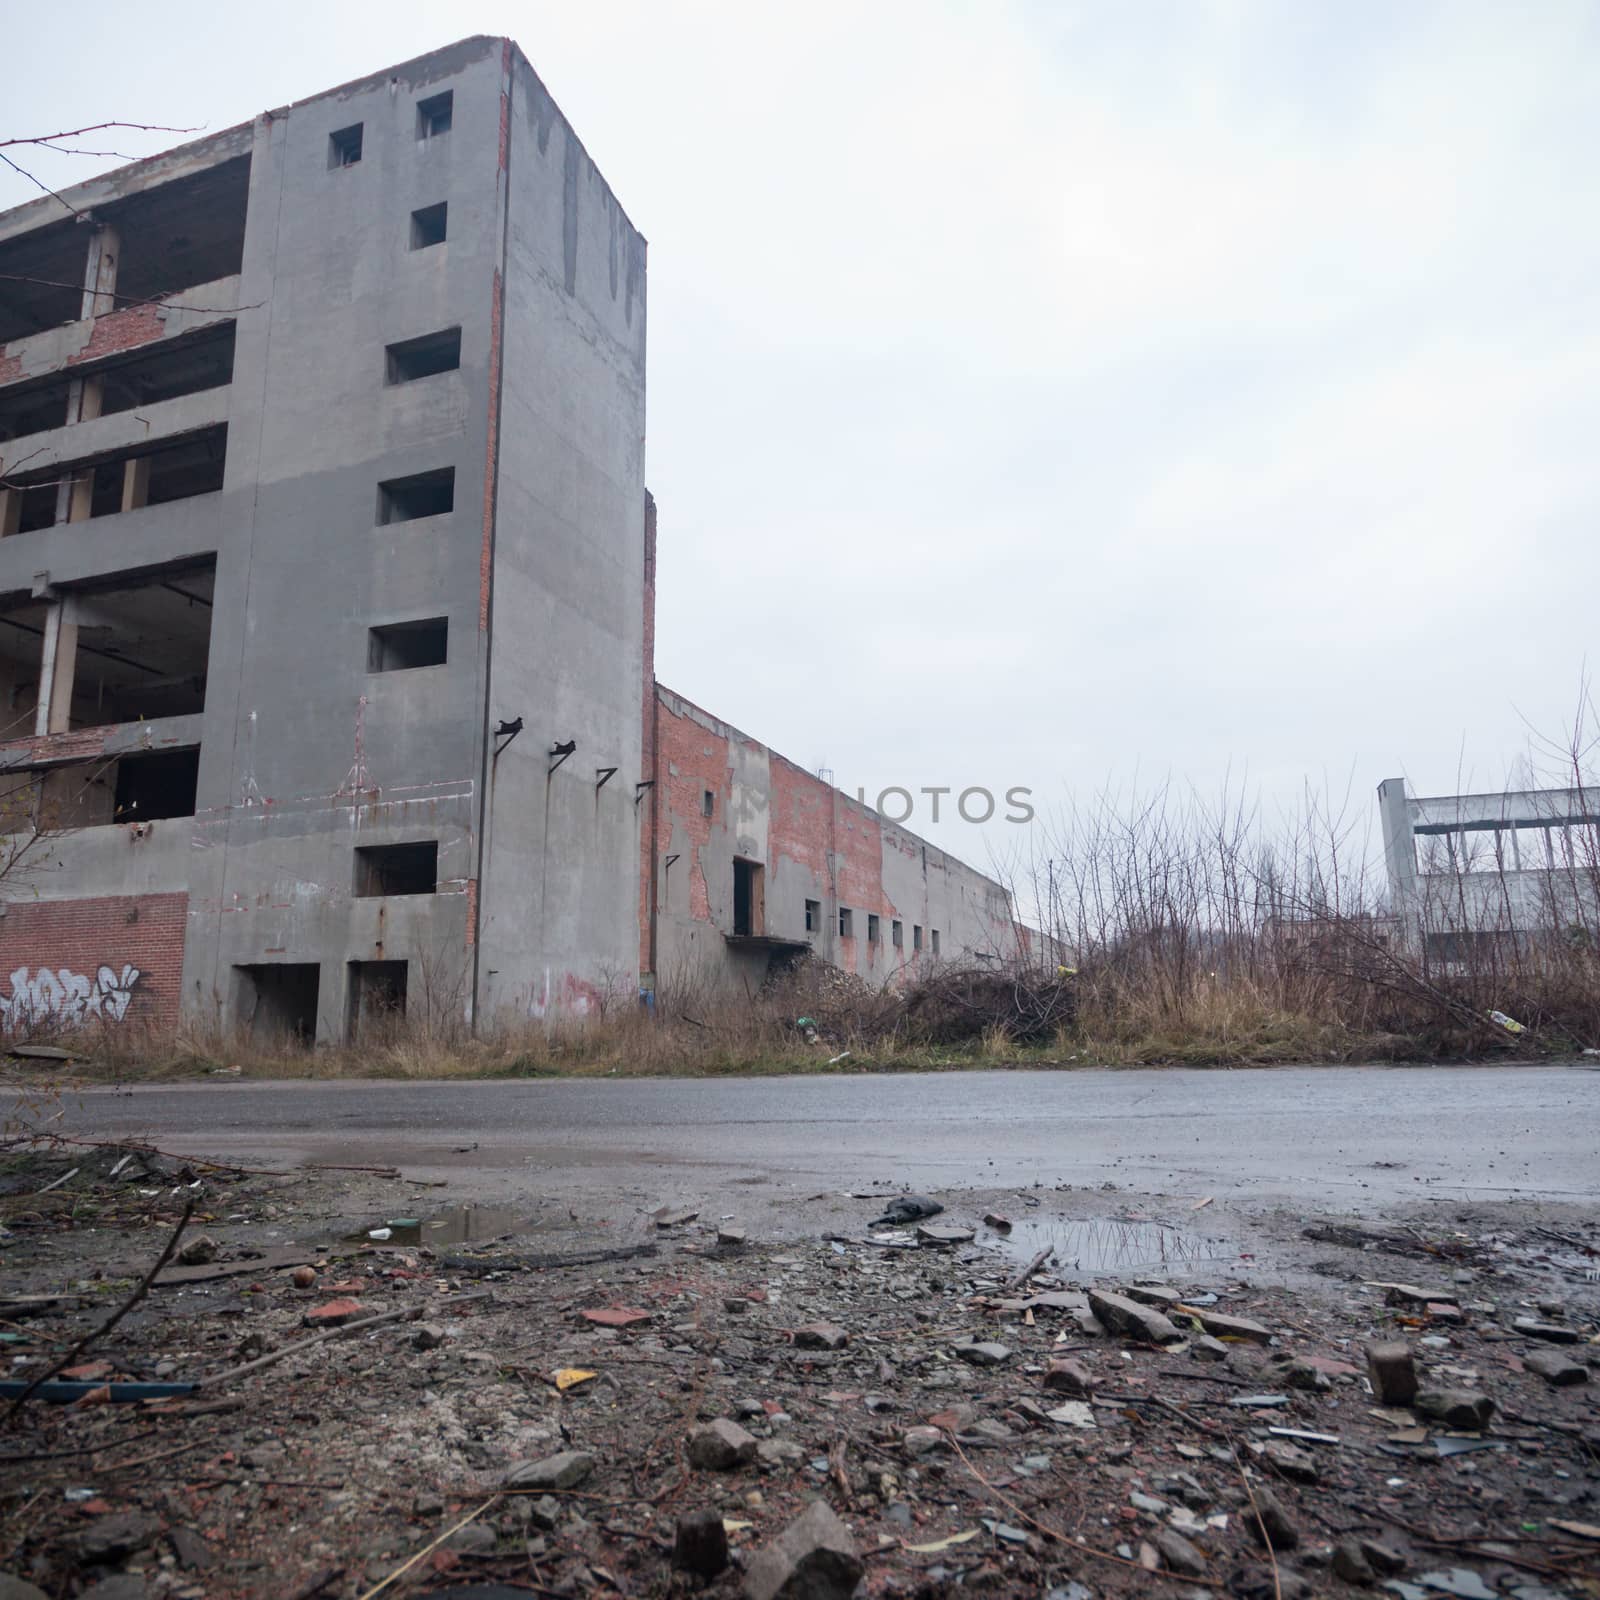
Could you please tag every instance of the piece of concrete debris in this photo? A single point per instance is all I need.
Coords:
(564, 1471)
(1205, 1348)
(1069, 1377)
(1351, 1564)
(999, 1223)
(730, 1238)
(1393, 1372)
(919, 1441)
(906, 1208)
(1411, 1294)
(1456, 1408)
(1300, 1374)
(1221, 1326)
(814, 1558)
(192, 1551)
(1291, 1461)
(427, 1336)
(1384, 1559)
(1178, 1554)
(1556, 1368)
(778, 1452)
(821, 1336)
(119, 1586)
(984, 1353)
(473, 1540)
(721, 1446)
(117, 1534)
(196, 1252)
(943, 1234)
(1153, 1294)
(672, 1217)
(1554, 1332)
(700, 1543)
(1125, 1316)
(1268, 1521)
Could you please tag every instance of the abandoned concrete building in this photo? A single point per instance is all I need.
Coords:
(1476, 875)
(327, 599)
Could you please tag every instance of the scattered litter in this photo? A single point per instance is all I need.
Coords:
(936, 1545)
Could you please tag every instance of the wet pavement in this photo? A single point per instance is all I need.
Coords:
(1345, 1138)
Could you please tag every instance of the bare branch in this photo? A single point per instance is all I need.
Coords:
(95, 127)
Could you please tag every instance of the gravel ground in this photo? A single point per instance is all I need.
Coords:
(384, 1453)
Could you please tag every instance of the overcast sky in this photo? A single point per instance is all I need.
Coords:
(1041, 393)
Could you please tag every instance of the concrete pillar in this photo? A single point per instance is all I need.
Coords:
(100, 276)
(136, 483)
(58, 663)
(1400, 856)
(80, 496)
(10, 511)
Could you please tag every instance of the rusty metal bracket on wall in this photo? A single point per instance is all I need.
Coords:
(505, 733)
(561, 752)
(639, 789)
(603, 776)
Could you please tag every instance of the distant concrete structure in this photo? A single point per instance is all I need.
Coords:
(327, 585)
(1471, 872)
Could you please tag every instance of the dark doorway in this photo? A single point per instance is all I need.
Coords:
(377, 997)
(749, 899)
(279, 1000)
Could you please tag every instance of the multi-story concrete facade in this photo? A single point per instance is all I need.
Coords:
(326, 588)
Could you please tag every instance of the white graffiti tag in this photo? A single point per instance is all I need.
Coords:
(62, 997)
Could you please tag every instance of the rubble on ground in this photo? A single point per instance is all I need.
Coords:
(858, 1414)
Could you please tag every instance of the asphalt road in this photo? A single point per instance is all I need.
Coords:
(1352, 1137)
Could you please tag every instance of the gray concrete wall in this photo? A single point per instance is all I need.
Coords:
(560, 886)
(305, 755)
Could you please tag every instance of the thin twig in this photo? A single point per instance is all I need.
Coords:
(428, 1549)
(111, 1321)
(403, 1314)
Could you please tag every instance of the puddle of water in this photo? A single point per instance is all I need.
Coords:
(459, 1225)
(1100, 1246)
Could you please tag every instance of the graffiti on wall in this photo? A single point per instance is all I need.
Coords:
(53, 998)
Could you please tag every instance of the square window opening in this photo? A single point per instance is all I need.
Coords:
(434, 114)
(874, 928)
(898, 933)
(813, 916)
(422, 358)
(344, 146)
(377, 998)
(150, 788)
(277, 1000)
(395, 869)
(401, 646)
(425, 494)
(847, 923)
(429, 225)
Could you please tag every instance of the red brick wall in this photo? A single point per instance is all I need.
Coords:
(122, 330)
(120, 954)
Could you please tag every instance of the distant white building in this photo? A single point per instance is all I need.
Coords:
(1471, 873)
